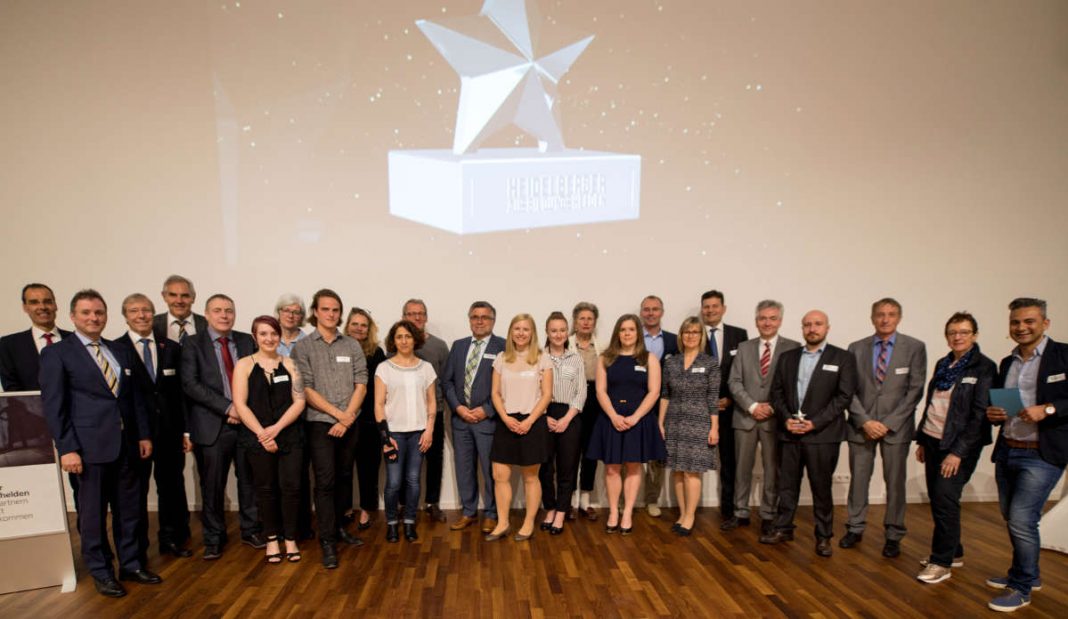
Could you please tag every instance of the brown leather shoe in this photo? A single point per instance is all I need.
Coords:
(488, 525)
(591, 514)
(462, 523)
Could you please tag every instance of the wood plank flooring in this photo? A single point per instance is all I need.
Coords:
(582, 573)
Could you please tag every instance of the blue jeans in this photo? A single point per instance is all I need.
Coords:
(406, 469)
(1024, 482)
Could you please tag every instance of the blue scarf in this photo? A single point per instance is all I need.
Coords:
(947, 373)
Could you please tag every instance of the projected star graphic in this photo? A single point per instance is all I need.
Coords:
(505, 77)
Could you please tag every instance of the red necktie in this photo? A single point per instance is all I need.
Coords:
(48, 339)
(228, 361)
(765, 359)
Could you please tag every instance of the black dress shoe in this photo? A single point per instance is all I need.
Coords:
(141, 576)
(329, 556)
(823, 547)
(767, 527)
(777, 536)
(256, 540)
(850, 540)
(892, 549)
(409, 532)
(391, 534)
(434, 513)
(349, 538)
(729, 524)
(212, 552)
(170, 548)
(109, 587)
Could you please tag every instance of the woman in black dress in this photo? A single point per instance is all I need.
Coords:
(269, 399)
(362, 328)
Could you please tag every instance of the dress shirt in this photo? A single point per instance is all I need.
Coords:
(773, 342)
(136, 339)
(569, 379)
(332, 369)
(38, 337)
(286, 350)
(809, 361)
(655, 343)
(1024, 376)
(215, 335)
(190, 327)
(114, 362)
(875, 348)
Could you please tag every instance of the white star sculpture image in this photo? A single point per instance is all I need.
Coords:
(505, 76)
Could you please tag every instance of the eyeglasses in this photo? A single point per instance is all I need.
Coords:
(964, 333)
(291, 312)
(480, 317)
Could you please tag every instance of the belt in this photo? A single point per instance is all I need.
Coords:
(1015, 444)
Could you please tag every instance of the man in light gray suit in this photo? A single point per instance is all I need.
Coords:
(754, 420)
(892, 371)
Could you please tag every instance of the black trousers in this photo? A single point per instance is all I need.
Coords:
(332, 462)
(819, 461)
(368, 465)
(304, 505)
(213, 464)
(116, 484)
(727, 462)
(277, 481)
(557, 474)
(945, 500)
(587, 419)
(167, 465)
(434, 458)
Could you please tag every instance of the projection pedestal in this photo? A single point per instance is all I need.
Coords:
(512, 188)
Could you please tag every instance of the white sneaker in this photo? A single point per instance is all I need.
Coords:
(653, 509)
(957, 561)
(934, 573)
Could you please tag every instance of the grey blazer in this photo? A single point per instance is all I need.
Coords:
(748, 387)
(894, 402)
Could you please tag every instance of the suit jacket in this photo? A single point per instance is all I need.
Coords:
(19, 363)
(83, 414)
(732, 338)
(894, 402)
(453, 381)
(159, 325)
(671, 343)
(830, 390)
(1052, 389)
(747, 386)
(203, 384)
(163, 396)
(966, 430)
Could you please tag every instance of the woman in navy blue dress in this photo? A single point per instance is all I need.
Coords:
(626, 435)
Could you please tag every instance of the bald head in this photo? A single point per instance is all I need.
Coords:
(814, 327)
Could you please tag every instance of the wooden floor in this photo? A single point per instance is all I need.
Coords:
(582, 573)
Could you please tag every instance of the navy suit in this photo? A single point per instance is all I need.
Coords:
(166, 412)
(19, 361)
(87, 418)
(471, 440)
(215, 442)
(732, 338)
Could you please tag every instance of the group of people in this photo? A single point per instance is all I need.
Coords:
(281, 406)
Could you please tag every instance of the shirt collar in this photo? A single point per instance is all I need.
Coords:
(1041, 348)
(658, 335)
(482, 339)
(819, 351)
(39, 333)
(317, 335)
(85, 339)
(171, 319)
(136, 338)
(215, 335)
(773, 341)
(890, 340)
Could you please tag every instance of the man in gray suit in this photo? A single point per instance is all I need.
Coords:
(892, 368)
(754, 419)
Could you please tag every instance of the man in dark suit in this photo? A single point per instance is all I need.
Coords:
(179, 322)
(721, 342)
(157, 373)
(812, 389)
(1032, 448)
(467, 384)
(100, 425)
(19, 351)
(663, 344)
(208, 360)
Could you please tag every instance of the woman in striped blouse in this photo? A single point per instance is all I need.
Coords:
(569, 396)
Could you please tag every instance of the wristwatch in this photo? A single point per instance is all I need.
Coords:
(1049, 410)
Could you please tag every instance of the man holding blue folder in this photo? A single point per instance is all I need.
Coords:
(1032, 448)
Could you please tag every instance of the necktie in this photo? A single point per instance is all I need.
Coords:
(880, 365)
(146, 356)
(470, 368)
(765, 359)
(712, 348)
(48, 338)
(105, 367)
(182, 333)
(228, 360)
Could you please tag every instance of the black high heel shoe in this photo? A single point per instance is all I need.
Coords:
(547, 526)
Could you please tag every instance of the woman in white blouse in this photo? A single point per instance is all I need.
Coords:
(405, 405)
(522, 390)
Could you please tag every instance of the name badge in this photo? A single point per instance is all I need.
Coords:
(126, 371)
(640, 368)
(1056, 378)
(281, 378)
(734, 352)
(528, 373)
(697, 370)
(901, 371)
(344, 359)
(969, 380)
(489, 355)
(169, 372)
(827, 367)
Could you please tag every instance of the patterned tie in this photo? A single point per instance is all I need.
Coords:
(473, 359)
(712, 348)
(105, 367)
(880, 365)
(765, 359)
(146, 355)
(228, 359)
(48, 339)
(182, 333)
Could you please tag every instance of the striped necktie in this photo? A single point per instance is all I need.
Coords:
(882, 362)
(109, 374)
(182, 333)
(765, 359)
(471, 367)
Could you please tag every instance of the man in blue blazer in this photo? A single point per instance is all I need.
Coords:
(663, 344)
(98, 419)
(467, 383)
